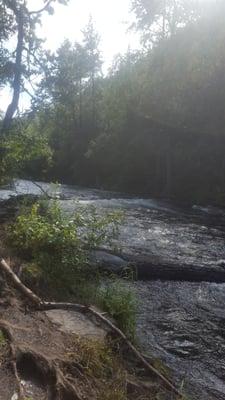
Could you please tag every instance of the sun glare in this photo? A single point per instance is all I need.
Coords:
(111, 19)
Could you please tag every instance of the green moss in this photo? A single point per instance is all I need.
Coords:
(2, 340)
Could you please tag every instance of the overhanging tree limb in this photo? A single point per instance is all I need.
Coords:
(44, 8)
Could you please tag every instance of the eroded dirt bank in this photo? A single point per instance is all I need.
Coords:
(45, 359)
(179, 322)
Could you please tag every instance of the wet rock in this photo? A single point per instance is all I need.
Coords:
(107, 261)
(10, 206)
(221, 263)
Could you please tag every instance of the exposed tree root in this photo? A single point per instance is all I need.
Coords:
(119, 333)
(59, 388)
(62, 384)
(13, 353)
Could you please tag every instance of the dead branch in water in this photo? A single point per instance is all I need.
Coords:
(44, 191)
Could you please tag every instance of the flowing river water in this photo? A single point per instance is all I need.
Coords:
(180, 322)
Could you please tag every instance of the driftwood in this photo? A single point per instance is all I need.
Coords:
(119, 333)
(42, 305)
(136, 352)
(45, 193)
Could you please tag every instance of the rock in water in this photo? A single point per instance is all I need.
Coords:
(107, 261)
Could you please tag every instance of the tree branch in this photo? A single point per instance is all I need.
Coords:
(44, 8)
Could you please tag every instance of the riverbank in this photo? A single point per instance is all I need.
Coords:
(159, 231)
(41, 359)
(36, 351)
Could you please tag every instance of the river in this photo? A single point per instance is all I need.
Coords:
(180, 322)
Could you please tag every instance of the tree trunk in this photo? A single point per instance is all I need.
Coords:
(93, 99)
(168, 168)
(81, 103)
(18, 72)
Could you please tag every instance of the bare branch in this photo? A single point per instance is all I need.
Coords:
(44, 8)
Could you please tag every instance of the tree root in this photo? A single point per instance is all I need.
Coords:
(5, 328)
(60, 386)
(62, 383)
(119, 333)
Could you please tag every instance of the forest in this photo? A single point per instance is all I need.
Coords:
(153, 124)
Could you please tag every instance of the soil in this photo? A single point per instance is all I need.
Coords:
(63, 356)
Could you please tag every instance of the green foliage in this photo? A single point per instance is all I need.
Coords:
(58, 248)
(154, 124)
(2, 340)
(159, 19)
(3, 347)
(58, 244)
(100, 362)
(25, 149)
(119, 301)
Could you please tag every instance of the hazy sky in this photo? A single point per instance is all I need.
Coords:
(111, 18)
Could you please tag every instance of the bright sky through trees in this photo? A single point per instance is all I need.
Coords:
(111, 18)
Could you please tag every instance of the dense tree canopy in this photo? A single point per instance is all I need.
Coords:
(155, 123)
(159, 19)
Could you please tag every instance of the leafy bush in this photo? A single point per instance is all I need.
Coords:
(25, 149)
(58, 244)
(57, 247)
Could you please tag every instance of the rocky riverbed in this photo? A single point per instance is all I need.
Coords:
(181, 322)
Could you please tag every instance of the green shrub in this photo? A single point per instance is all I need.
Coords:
(58, 244)
(120, 302)
(57, 248)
